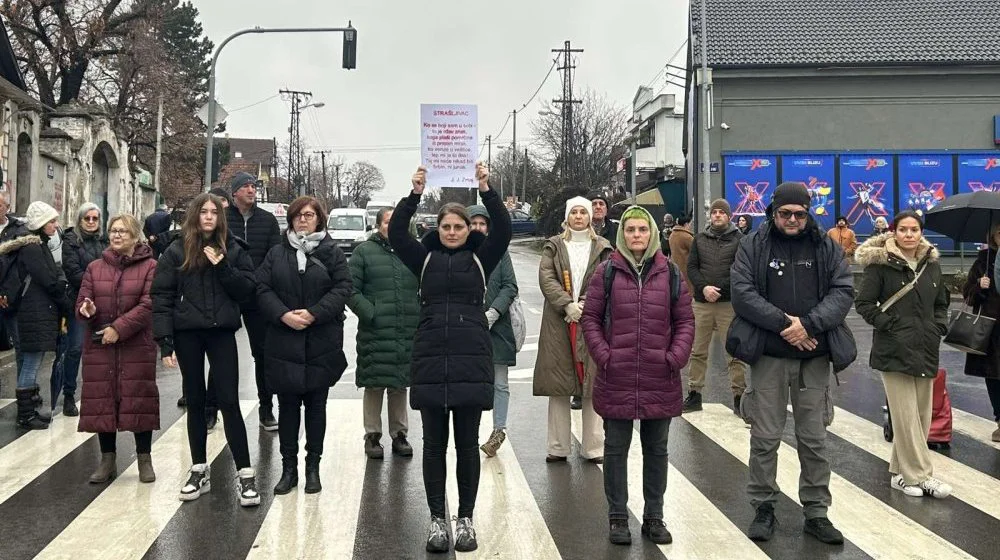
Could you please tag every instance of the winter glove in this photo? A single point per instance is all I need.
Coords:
(573, 312)
(491, 317)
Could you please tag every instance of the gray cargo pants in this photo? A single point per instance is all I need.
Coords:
(765, 405)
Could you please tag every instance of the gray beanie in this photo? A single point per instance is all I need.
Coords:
(87, 207)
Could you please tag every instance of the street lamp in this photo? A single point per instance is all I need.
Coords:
(350, 48)
(548, 114)
(318, 105)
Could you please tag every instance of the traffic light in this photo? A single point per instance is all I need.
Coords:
(350, 48)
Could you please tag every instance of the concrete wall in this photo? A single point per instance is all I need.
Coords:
(17, 126)
(52, 187)
(853, 109)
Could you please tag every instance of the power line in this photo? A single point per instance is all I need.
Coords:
(254, 104)
(526, 103)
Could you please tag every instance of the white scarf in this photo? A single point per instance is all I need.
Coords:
(304, 245)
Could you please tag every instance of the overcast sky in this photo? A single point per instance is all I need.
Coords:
(491, 54)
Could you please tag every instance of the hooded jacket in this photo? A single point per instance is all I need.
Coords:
(844, 237)
(648, 339)
(710, 261)
(44, 301)
(755, 316)
(119, 380)
(907, 337)
(987, 302)
(385, 301)
(452, 364)
(501, 289)
(78, 251)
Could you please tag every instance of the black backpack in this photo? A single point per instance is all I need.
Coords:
(12, 286)
(609, 278)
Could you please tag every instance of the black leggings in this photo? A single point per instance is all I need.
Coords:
(435, 425)
(143, 442)
(220, 347)
(289, 412)
(993, 388)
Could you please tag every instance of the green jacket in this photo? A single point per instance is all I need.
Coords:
(500, 293)
(385, 301)
(907, 337)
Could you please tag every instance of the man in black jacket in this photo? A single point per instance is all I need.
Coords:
(712, 255)
(259, 228)
(10, 228)
(155, 228)
(602, 225)
(791, 291)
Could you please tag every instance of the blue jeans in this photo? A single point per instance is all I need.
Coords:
(27, 373)
(68, 353)
(10, 322)
(618, 437)
(501, 396)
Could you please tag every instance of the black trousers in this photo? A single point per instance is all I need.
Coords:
(289, 415)
(220, 346)
(466, 425)
(256, 330)
(143, 442)
(993, 388)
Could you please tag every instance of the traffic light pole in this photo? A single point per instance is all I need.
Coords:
(349, 59)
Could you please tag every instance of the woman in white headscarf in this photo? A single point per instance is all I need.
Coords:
(568, 262)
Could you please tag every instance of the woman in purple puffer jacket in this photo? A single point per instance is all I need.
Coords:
(640, 338)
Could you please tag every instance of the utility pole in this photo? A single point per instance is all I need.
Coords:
(567, 103)
(295, 139)
(489, 151)
(340, 199)
(513, 153)
(273, 176)
(322, 158)
(524, 184)
(705, 114)
(309, 190)
(159, 148)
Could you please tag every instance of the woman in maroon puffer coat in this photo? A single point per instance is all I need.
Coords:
(119, 354)
(640, 338)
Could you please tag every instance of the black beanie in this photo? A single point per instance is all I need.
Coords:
(598, 195)
(790, 193)
(241, 180)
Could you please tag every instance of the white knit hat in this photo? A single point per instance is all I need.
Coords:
(580, 201)
(39, 214)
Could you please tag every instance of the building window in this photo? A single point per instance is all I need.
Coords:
(238, 155)
(647, 136)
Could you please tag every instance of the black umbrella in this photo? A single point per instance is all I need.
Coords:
(965, 217)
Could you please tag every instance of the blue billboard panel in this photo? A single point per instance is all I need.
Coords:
(866, 190)
(924, 181)
(750, 182)
(978, 172)
(818, 173)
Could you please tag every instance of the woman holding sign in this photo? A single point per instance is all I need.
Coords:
(452, 362)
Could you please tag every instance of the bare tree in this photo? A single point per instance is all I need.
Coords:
(361, 182)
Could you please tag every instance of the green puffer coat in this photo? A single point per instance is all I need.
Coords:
(385, 301)
(500, 294)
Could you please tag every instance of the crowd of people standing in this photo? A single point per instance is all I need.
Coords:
(626, 307)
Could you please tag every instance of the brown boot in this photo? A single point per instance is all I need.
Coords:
(106, 470)
(146, 473)
(996, 433)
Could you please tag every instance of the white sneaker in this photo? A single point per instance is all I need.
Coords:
(198, 483)
(909, 489)
(935, 488)
(247, 486)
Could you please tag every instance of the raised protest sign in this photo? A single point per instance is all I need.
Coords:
(448, 144)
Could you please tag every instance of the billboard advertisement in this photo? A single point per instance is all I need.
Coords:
(924, 181)
(818, 173)
(978, 172)
(750, 182)
(866, 190)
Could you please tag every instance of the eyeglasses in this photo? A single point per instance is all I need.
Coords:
(118, 232)
(798, 214)
(91, 219)
(306, 216)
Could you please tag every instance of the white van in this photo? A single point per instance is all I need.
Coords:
(373, 207)
(349, 227)
(280, 211)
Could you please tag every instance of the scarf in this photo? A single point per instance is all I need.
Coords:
(304, 245)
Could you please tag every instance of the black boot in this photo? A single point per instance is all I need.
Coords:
(37, 399)
(27, 416)
(289, 476)
(69, 405)
(313, 485)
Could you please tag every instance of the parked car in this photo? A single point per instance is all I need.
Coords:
(425, 224)
(522, 223)
(280, 212)
(349, 227)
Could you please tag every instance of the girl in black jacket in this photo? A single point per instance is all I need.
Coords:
(82, 245)
(304, 286)
(201, 278)
(452, 363)
(39, 300)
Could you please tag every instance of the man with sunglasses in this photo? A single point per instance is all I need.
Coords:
(791, 292)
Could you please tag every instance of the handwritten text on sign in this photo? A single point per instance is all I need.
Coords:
(448, 137)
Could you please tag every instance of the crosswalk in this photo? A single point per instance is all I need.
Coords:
(526, 508)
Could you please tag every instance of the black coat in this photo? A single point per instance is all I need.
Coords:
(755, 316)
(452, 365)
(15, 228)
(154, 228)
(907, 337)
(313, 358)
(77, 253)
(44, 303)
(205, 298)
(986, 302)
(260, 231)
